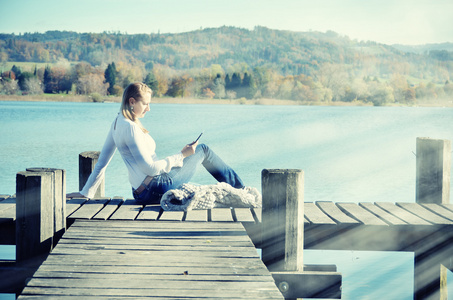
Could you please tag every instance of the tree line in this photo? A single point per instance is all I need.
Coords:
(332, 83)
(226, 63)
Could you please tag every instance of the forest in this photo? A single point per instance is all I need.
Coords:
(227, 63)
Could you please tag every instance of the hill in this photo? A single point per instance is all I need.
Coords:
(286, 51)
(261, 52)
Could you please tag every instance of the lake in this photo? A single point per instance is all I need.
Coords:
(348, 154)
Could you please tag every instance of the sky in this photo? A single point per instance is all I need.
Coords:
(409, 22)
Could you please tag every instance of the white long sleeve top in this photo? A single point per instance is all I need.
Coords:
(138, 150)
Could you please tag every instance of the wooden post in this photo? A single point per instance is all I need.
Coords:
(87, 161)
(34, 214)
(58, 186)
(432, 186)
(283, 219)
(433, 171)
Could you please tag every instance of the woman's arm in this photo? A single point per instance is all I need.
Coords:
(95, 178)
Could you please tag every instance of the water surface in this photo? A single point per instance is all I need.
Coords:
(348, 154)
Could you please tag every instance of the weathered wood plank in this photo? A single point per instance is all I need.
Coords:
(149, 291)
(149, 213)
(73, 205)
(171, 216)
(140, 283)
(185, 252)
(153, 260)
(213, 242)
(7, 210)
(8, 213)
(448, 206)
(31, 297)
(170, 270)
(403, 214)
(132, 249)
(382, 214)
(315, 216)
(440, 210)
(424, 213)
(129, 210)
(197, 215)
(243, 215)
(335, 213)
(90, 208)
(180, 277)
(119, 226)
(361, 214)
(220, 215)
(109, 209)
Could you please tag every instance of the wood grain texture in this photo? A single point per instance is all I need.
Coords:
(174, 260)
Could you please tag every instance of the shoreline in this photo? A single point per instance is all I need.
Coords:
(167, 100)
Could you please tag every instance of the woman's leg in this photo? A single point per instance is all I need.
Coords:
(178, 176)
(212, 163)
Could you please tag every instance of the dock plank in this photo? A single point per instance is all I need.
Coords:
(197, 215)
(440, 210)
(8, 212)
(402, 214)
(448, 206)
(220, 215)
(129, 210)
(382, 214)
(109, 208)
(74, 204)
(7, 208)
(217, 293)
(90, 208)
(424, 213)
(315, 215)
(361, 214)
(171, 215)
(153, 259)
(335, 213)
(149, 213)
(243, 215)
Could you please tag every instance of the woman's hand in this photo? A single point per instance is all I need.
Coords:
(189, 149)
(75, 195)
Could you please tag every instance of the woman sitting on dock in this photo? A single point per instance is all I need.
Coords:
(149, 176)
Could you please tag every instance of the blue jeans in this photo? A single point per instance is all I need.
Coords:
(180, 175)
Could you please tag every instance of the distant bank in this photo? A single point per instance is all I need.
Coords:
(115, 99)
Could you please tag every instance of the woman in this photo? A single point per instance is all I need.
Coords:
(149, 176)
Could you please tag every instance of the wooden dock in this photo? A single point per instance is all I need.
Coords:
(162, 260)
(420, 228)
(283, 228)
(321, 219)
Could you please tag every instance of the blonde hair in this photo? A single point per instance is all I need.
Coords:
(137, 91)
